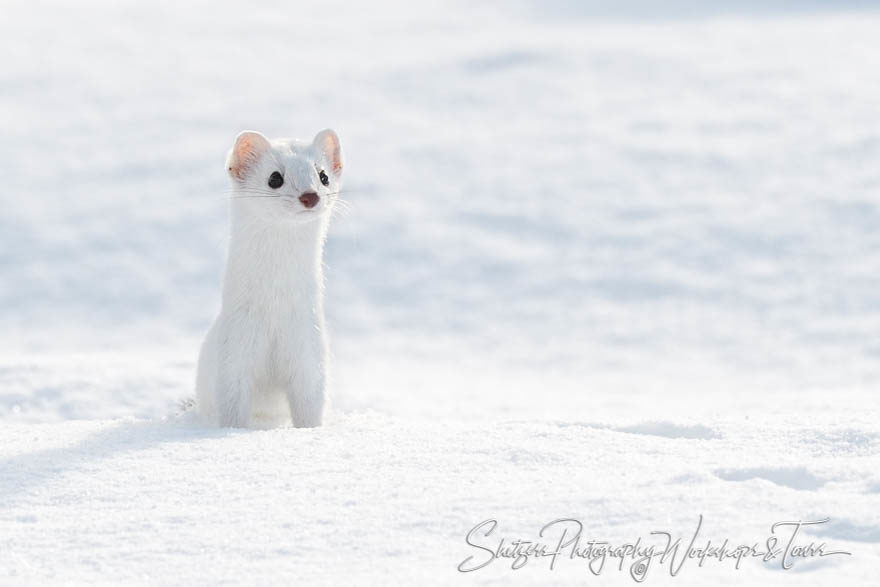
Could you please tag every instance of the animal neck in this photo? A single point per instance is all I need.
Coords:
(276, 259)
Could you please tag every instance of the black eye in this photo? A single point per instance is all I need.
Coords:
(276, 180)
(324, 179)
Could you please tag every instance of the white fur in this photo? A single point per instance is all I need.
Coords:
(264, 361)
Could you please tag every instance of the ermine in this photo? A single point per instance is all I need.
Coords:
(264, 361)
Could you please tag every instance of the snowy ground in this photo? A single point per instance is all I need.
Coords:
(617, 266)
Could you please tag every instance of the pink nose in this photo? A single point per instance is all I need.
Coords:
(309, 199)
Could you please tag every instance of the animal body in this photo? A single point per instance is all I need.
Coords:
(264, 362)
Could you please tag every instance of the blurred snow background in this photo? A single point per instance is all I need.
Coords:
(560, 212)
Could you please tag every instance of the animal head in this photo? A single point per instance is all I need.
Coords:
(286, 179)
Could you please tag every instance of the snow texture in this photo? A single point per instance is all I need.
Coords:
(614, 264)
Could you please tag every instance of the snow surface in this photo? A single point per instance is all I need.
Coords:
(617, 264)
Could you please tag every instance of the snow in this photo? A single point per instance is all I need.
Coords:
(614, 264)
(372, 495)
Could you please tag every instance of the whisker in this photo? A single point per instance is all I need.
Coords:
(342, 206)
(341, 212)
(275, 193)
(245, 197)
(252, 192)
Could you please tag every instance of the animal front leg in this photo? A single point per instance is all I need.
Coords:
(306, 396)
(306, 386)
(233, 398)
(239, 353)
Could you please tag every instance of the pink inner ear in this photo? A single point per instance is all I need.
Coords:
(245, 153)
(330, 146)
(335, 154)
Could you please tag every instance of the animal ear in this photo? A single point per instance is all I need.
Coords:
(248, 148)
(327, 143)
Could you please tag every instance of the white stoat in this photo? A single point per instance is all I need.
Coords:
(264, 360)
